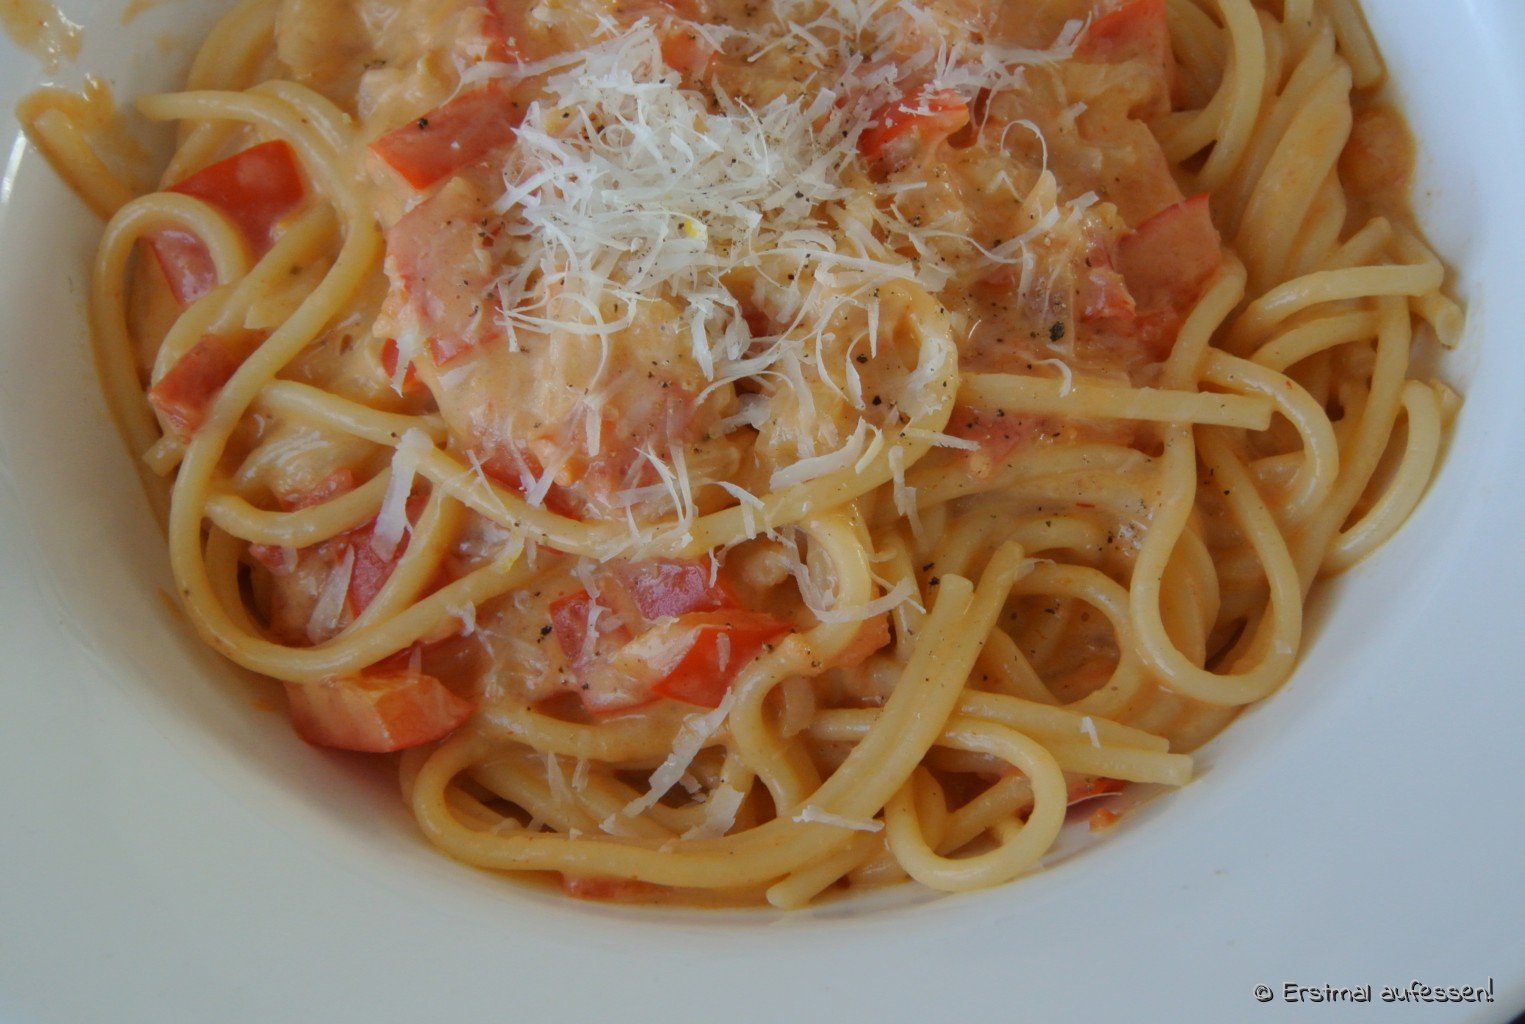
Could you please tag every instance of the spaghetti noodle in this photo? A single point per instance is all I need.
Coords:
(733, 450)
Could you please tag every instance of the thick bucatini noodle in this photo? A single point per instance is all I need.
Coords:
(737, 450)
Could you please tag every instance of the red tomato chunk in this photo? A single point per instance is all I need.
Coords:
(376, 712)
(254, 189)
(452, 136)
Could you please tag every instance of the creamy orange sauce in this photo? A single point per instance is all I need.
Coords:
(41, 29)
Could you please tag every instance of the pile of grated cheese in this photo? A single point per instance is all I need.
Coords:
(626, 185)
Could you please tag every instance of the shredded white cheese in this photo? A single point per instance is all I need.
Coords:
(392, 519)
(324, 621)
(1065, 374)
(822, 465)
(719, 814)
(693, 735)
(813, 814)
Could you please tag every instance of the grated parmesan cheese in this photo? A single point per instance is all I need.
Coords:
(392, 519)
(1066, 374)
(324, 621)
(693, 735)
(813, 814)
(719, 813)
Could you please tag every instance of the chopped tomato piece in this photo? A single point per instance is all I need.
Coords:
(904, 129)
(182, 395)
(510, 36)
(502, 466)
(389, 357)
(376, 712)
(254, 188)
(370, 570)
(720, 644)
(273, 557)
(1101, 292)
(662, 630)
(498, 42)
(666, 587)
(1127, 31)
(187, 266)
(686, 50)
(1173, 253)
(997, 432)
(569, 622)
(441, 272)
(1166, 262)
(1136, 31)
(448, 138)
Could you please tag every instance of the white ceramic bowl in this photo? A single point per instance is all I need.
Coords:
(169, 852)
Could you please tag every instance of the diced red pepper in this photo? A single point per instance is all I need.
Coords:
(904, 129)
(254, 188)
(376, 711)
(458, 133)
(182, 395)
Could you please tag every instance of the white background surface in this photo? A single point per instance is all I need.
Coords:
(168, 852)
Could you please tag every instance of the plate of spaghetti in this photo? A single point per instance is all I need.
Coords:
(577, 484)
